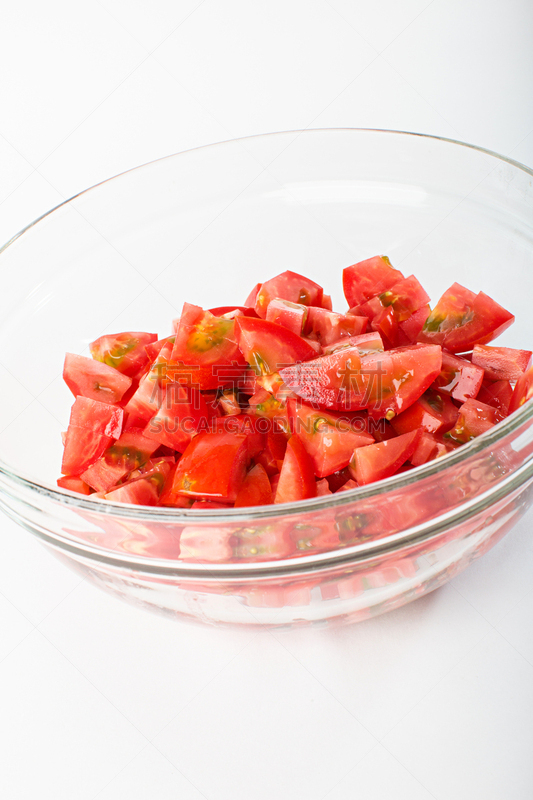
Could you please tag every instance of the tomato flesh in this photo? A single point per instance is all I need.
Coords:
(433, 412)
(382, 459)
(501, 363)
(288, 286)
(255, 489)
(212, 467)
(291, 315)
(184, 412)
(92, 428)
(95, 380)
(327, 326)
(267, 346)
(458, 378)
(368, 278)
(296, 479)
(130, 451)
(126, 352)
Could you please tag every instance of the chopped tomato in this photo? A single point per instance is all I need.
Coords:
(288, 286)
(92, 428)
(273, 453)
(74, 484)
(365, 343)
(212, 467)
(130, 451)
(229, 402)
(222, 311)
(458, 378)
(95, 380)
(474, 419)
(501, 363)
(381, 460)
(327, 326)
(433, 412)
(267, 346)
(252, 297)
(255, 489)
(296, 479)
(207, 348)
(247, 424)
(150, 392)
(291, 315)
(523, 391)
(426, 450)
(330, 439)
(184, 412)
(368, 278)
(409, 330)
(143, 491)
(497, 394)
(462, 319)
(124, 351)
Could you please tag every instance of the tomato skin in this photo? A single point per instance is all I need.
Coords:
(296, 479)
(329, 439)
(501, 363)
(327, 326)
(368, 278)
(266, 346)
(462, 319)
(433, 412)
(212, 467)
(365, 343)
(381, 460)
(458, 378)
(130, 451)
(206, 353)
(92, 428)
(255, 489)
(123, 351)
(95, 380)
(288, 286)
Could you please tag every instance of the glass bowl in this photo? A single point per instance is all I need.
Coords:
(205, 226)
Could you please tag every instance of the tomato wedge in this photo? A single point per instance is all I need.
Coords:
(296, 479)
(291, 315)
(90, 378)
(498, 395)
(130, 451)
(458, 378)
(255, 489)
(288, 286)
(92, 428)
(383, 459)
(123, 351)
(327, 326)
(433, 412)
(462, 319)
(329, 439)
(212, 467)
(368, 278)
(267, 346)
(474, 419)
(143, 491)
(184, 412)
(501, 363)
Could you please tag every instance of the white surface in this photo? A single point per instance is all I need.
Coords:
(100, 700)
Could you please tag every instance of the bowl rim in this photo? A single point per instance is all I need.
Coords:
(254, 514)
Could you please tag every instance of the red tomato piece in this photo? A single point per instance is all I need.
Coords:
(329, 439)
(73, 484)
(273, 453)
(255, 489)
(474, 419)
(523, 391)
(207, 348)
(365, 343)
(92, 428)
(252, 297)
(383, 459)
(433, 412)
(213, 467)
(462, 319)
(338, 479)
(368, 278)
(222, 311)
(384, 383)
(143, 491)
(426, 450)
(458, 378)
(149, 395)
(291, 315)
(93, 379)
(252, 427)
(288, 286)
(328, 327)
(130, 451)
(409, 330)
(501, 363)
(326, 302)
(265, 405)
(348, 486)
(229, 403)
(498, 394)
(322, 488)
(296, 479)
(267, 346)
(171, 498)
(406, 297)
(123, 351)
(152, 350)
(184, 412)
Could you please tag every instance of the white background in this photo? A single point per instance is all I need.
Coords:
(101, 700)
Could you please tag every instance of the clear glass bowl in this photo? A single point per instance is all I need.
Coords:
(205, 226)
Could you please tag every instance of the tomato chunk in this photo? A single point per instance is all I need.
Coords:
(462, 319)
(458, 378)
(288, 286)
(93, 379)
(497, 394)
(296, 479)
(130, 451)
(212, 467)
(267, 346)
(501, 363)
(365, 343)
(474, 419)
(381, 460)
(329, 439)
(368, 278)
(523, 391)
(143, 491)
(291, 315)
(183, 412)
(255, 489)
(327, 326)
(92, 428)
(74, 484)
(433, 412)
(123, 351)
